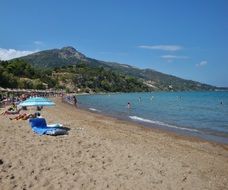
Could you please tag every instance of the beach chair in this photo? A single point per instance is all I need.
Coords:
(39, 126)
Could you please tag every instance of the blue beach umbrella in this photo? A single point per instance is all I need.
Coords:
(37, 101)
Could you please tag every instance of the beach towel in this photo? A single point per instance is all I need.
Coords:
(39, 126)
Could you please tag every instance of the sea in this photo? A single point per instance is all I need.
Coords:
(198, 114)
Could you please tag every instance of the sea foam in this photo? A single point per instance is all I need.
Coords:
(93, 109)
(136, 118)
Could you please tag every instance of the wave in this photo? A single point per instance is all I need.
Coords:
(93, 109)
(161, 123)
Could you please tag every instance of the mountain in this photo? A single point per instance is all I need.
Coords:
(54, 57)
(67, 56)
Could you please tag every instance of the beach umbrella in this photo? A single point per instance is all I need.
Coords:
(37, 101)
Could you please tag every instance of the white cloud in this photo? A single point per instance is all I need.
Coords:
(170, 58)
(174, 57)
(7, 54)
(38, 43)
(162, 47)
(202, 63)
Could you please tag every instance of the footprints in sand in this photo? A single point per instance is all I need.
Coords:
(6, 173)
(69, 166)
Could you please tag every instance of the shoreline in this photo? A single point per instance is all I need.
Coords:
(101, 152)
(173, 130)
(140, 126)
(155, 129)
(178, 133)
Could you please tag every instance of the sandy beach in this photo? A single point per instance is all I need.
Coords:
(105, 153)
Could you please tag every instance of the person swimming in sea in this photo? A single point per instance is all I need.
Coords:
(128, 105)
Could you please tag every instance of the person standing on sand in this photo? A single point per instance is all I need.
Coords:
(75, 101)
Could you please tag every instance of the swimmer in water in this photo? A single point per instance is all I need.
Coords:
(128, 105)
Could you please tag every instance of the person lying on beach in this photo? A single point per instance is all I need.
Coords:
(13, 107)
(24, 116)
(11, 112)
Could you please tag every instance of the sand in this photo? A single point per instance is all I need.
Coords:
(105, 153)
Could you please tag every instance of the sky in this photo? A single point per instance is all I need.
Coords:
(185, 38)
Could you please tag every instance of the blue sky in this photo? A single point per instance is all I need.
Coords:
(188, 39)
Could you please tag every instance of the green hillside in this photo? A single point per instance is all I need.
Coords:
(155, 80)
(80, 77)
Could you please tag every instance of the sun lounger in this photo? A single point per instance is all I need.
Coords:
(55, 125)
(40, 127)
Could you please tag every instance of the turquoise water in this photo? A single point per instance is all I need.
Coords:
(203, 114)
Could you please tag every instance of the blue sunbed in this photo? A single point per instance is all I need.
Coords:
(40, 127)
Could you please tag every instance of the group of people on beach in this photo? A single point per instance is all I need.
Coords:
(6, 99)
(70, 99)
(9, 104)
(13, 110)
